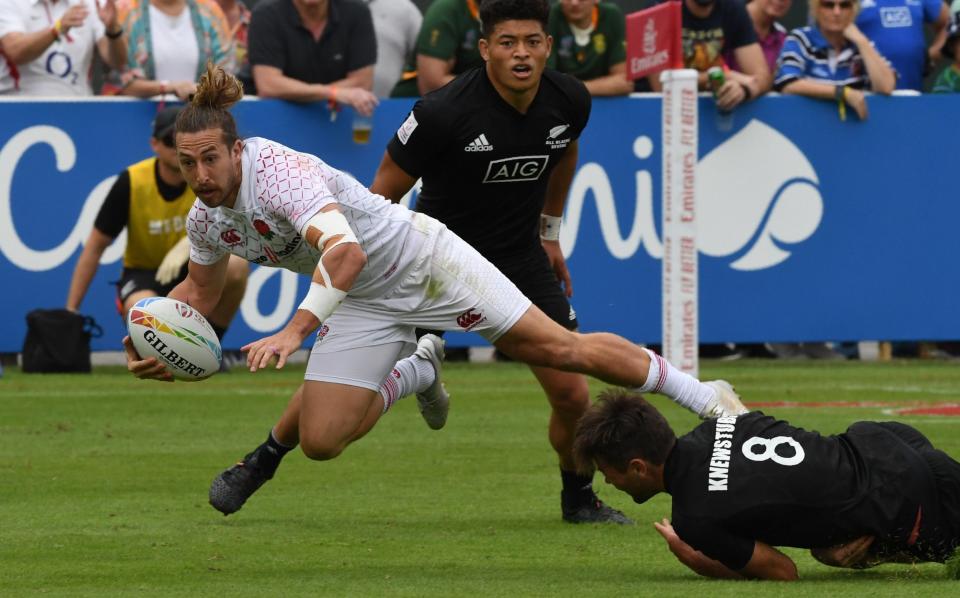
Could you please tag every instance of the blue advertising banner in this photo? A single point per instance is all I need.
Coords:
(809, 228)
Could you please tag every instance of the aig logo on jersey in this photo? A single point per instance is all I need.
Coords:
(520, 168)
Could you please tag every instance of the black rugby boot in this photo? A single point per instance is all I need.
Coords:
(234, 486)
(592, 511)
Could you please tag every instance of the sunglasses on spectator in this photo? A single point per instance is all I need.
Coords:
(843, 4)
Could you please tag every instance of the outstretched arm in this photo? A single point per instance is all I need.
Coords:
(766, 563)
(341, 261)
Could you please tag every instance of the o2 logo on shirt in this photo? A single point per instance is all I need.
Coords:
(768, 450)
(519, 168)
(59, 64)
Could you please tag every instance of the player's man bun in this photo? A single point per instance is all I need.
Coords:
(217, 89)
(209, 108)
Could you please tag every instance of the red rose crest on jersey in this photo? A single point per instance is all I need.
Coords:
(231, 237)
(264, 229)
(469, 319)
(323, 331)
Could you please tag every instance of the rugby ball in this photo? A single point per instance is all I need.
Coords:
(177, 335)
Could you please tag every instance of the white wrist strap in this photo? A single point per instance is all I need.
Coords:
(550, 227)
(322, 300)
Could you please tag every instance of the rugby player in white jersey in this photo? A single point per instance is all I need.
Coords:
(378, 272)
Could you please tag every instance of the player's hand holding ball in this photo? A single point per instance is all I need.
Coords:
(145, 369)
(169, 339)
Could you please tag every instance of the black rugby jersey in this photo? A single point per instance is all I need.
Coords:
(736, 480)
(484, 165)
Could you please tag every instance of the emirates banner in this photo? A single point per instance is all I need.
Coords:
(653, 40)
(680, 296)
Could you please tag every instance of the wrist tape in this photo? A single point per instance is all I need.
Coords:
(550, 227)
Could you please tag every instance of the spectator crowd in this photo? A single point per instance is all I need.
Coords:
(352, 52)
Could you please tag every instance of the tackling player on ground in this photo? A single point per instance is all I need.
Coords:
(378, 272)
(878, 493)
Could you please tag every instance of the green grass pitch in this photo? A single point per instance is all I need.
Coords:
(103, 491)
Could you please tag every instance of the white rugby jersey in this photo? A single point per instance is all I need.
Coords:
(280, 191)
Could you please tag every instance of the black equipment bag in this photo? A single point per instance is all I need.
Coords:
(58, 340)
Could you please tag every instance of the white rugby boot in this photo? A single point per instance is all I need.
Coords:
(434, 402)
(726, 403)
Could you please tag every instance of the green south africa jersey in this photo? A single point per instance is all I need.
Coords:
(605, 47)
(948, 81)
(450, 29)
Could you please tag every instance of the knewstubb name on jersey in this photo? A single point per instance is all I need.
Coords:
(720, 458)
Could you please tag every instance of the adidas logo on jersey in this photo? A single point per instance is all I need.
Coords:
(480, 144)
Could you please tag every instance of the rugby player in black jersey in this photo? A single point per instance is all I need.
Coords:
(496, 149)
(741, 485)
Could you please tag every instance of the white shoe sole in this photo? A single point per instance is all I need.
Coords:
(727, 402)
(434, 402)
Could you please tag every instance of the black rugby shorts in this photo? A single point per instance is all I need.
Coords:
(138, 279)
(535, 278)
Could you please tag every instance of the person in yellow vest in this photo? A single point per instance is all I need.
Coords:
(151, 199)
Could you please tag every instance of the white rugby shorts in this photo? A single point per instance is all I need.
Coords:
(449, 286)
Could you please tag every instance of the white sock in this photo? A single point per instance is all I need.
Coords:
(683, 389)
(410, 375)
